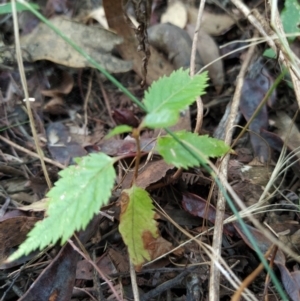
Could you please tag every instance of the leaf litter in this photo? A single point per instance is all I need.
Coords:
(68, 97)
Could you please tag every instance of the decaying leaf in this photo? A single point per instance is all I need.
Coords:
(139, 228)
(149, 174)
(262, 241)
(198, 206)
(44, 44)
(290, 282)
(13, 231)
(112, 262)
(256, 84)
(60, 144)
(63, 85)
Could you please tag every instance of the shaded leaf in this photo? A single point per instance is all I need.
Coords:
(121, 129)
(262, 241)
(202, 146)
(125, 116)
(290, 282)
(255, 87)
(137, 224)
(198, 206)
(168, 96)
(74, 199)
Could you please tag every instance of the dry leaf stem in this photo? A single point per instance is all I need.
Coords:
(25, 90)
(87, 258)
(199, 102)
(214, 282)
(30, 153)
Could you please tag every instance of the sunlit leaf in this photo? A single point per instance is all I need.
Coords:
(75, 198)
(170, 95)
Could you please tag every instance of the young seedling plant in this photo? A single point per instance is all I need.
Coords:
(85, 187)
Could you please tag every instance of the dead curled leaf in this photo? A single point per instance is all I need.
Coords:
(213, 24)
(175, 43)
(149, 174)
(209, 52)
(44, 44)
(63, 86)
(155, 246)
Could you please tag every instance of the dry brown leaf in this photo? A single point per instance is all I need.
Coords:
(105, 263)
(209, 52)
(121, 264)
(149, 174)
(155, 246)
(64, 86)
(55, 106)
(175, 43)
(13, 231)
(44, 44)
(211, 23)
(176, 14)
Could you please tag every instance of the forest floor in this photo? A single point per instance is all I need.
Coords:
(213, 230)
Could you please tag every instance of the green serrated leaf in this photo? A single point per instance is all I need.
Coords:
(170, 95)
(75, 198)
(290, 17)
(202, 146)
(137, 222)
(120, 129)
(6, 8)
